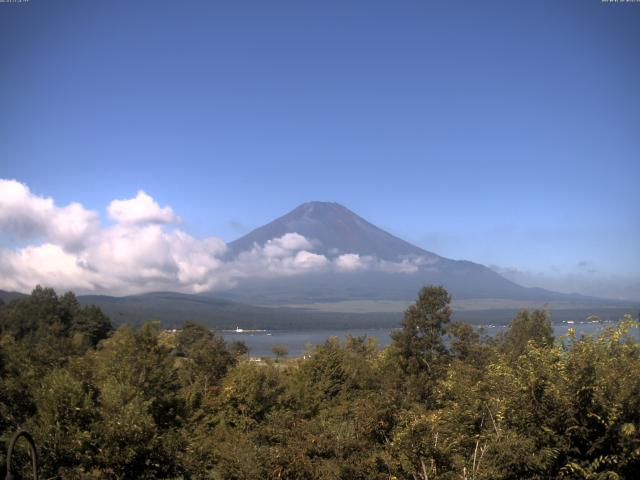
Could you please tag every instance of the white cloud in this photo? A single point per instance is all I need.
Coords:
(66, 248)
(147, 257)
(283, 246)
(407, 265)
(25, 216)
(141, 209)
(350, 262)
(283, 256)
(309, 261)
(46, 264)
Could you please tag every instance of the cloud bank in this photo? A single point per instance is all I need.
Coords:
(141, 250)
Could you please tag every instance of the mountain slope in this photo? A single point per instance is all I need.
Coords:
(8, 296)
(335, 230)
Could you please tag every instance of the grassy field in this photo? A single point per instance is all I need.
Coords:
(470, 304)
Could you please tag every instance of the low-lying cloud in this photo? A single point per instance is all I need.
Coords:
(142, 249)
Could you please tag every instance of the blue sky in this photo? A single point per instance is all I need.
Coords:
(502, 132)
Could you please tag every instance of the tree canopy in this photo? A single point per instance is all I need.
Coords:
(442, 401)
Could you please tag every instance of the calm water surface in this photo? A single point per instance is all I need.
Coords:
(260, 343)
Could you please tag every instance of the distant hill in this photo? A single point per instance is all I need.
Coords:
(174, 308)
(336, 230)
(8, 296)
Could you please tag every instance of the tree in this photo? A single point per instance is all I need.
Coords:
(37, 315)
(91, 324)
(526, 326)
(45, 316)
(206, 362)
(419, 348)
(138, 405)
(280, 351)
(238, 348)
(63, 424)
(322, 377)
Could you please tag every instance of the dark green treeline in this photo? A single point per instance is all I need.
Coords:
(441, 402)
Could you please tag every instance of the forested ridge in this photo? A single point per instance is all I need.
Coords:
(442, 401)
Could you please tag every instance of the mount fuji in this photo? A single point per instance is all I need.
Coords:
(334, 230)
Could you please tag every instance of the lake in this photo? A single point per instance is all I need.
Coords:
(260, 343)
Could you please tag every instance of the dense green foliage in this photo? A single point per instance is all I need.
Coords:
(441, 402)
